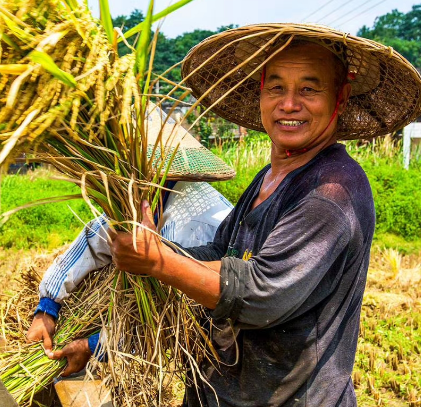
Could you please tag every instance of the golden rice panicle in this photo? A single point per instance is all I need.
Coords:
(120, 67)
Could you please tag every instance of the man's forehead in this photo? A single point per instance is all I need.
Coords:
(303, 53)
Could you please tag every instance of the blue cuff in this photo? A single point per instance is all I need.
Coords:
(48, 306)
(94, 347)
(93, 343)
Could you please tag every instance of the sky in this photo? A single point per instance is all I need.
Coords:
(345, 15)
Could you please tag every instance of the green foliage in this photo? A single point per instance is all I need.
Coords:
(396, 192)
(48, 226)
(397, 197)
(209, 125)
(247, 158)
(400, 31)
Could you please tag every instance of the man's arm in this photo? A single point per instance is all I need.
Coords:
(199, 280)
(88, 252)
(282, 275)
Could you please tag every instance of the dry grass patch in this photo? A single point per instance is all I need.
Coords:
(388, 364)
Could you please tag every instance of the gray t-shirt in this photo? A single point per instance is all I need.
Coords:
(292, 280)
(6, 400)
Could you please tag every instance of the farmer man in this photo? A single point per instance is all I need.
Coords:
(285, 274)
(192, 213)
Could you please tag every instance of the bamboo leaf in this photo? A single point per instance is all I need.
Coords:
(50, 66)
(155, 18)
(106, 20)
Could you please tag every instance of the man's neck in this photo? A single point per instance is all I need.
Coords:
(285, 161)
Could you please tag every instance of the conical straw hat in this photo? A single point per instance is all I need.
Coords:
(386, 88)
(192, 161)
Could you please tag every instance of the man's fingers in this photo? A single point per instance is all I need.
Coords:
(33, 337)
(147, 219)
(48, 343)
(58, 354)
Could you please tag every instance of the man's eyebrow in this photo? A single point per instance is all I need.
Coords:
(314, 79)
(273, 77)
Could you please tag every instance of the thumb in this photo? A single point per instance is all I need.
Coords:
(48, 343)
(58, 354)
(147, 217)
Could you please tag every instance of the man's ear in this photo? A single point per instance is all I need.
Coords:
(344, 96)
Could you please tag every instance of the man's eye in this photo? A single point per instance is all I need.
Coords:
(276, 89)
(306, 90)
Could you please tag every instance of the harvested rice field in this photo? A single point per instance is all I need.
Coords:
(388, 364)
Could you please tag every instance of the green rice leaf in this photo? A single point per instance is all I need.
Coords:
(13, 69)
(50, 66)
(106, 19)
(8, 41)
(16, 30)
(155, 18)
(142, 45)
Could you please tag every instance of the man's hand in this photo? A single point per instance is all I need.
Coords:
(149, 249)
(42, 329)
(198, 280)
(77, 354)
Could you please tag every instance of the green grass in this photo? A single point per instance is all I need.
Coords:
(48, 226)
(247, 159)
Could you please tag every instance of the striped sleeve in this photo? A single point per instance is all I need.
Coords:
(90, 251)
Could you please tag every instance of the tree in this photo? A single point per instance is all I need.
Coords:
(400, 31)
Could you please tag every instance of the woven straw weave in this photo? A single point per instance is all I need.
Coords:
(191, 161)
(385, 92)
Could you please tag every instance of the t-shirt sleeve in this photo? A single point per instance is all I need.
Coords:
(288, 274)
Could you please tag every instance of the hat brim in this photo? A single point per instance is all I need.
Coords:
(224, 71)
(169, 143)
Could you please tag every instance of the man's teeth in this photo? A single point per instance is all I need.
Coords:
(290, 122)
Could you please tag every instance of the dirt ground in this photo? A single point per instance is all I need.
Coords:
(393, 290)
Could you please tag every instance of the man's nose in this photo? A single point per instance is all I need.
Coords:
(290, 102)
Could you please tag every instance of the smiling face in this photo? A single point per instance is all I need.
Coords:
(299, 97)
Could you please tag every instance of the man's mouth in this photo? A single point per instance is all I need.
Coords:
(290, 123)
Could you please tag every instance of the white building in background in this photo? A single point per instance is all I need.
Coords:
(411, 132)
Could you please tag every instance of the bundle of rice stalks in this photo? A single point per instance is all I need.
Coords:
(71, 100)
(24, 368)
